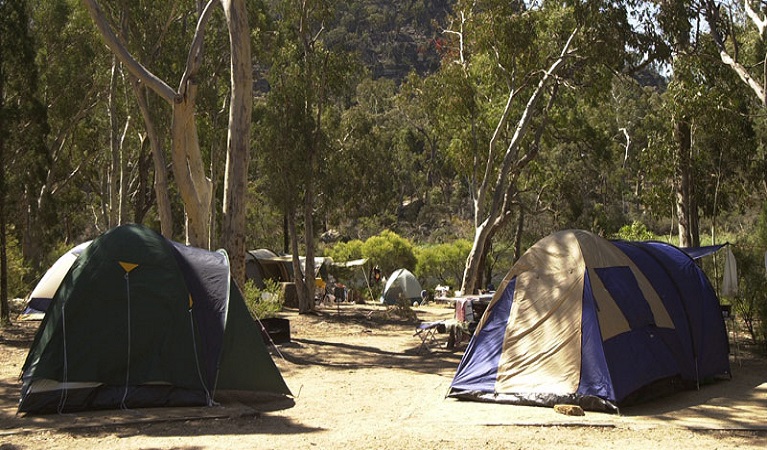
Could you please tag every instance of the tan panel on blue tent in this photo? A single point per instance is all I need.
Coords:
(612, 322)
(600, 253)
(542, 344)
(543, 347)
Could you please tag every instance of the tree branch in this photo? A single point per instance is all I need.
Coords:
(194, 58)
(118, 48)
(758, 21)
(712, 17)
(522, 125)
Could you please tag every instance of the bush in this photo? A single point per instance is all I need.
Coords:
(345, 251)
(444, 262)
(389, 251)
(263, 303)
(750, 304)
(637, 231)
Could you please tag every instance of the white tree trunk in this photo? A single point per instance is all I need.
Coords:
(194, 186)
(238, 143)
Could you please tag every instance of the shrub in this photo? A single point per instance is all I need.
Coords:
(389, 251)
(346, 251)
(263, 303)
(750, 304)
(444, 262)
(637, 231)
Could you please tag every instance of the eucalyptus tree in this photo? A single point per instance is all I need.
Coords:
(505, 65)
(64, 90)
(738, 29)
(732, 33)
(722, 139)
(425, 133)
(382, 159)
(363, 167)
(307, 81)
(728, 22)
(697, 91)
(22, 125)
(191, 177)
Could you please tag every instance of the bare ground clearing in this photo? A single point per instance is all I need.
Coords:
(360, 383)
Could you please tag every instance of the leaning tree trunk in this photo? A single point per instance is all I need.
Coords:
(158, 158)
(518, 233)
(473, 263)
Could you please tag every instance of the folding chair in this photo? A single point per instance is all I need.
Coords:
(425, 331)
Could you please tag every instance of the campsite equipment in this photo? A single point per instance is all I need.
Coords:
(582, 320)
(141, 321)
(275, 330)
(263, 264)
(401, 286)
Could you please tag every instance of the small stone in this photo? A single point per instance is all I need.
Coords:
(569, 410)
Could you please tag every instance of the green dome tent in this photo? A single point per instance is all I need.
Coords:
(402, 285)
(141, 321)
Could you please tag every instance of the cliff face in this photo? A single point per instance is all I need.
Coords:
(392, 37)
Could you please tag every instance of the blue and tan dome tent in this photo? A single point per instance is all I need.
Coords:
(600, 324)
(142, 321)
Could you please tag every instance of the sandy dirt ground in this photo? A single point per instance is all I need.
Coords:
(360, 382)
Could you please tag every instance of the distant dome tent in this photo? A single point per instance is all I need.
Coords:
(142, 321)
(402, 285)
(600, 324)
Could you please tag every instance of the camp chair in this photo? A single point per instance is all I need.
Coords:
(425, 331)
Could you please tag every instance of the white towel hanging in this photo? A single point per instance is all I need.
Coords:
(730, 282)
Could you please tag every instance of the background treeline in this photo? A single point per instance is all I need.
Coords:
(373, 119)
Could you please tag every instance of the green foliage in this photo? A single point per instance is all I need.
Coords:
(636, 231)
(17, 270)
(263, 303)
(750, 305)
(264, 222)
(346, 251)
(443, 262)
(761, 227)
(389, 252)
(369, 149)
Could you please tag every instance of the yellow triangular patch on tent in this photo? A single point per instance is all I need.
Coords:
(191, 302)
(127, 267)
